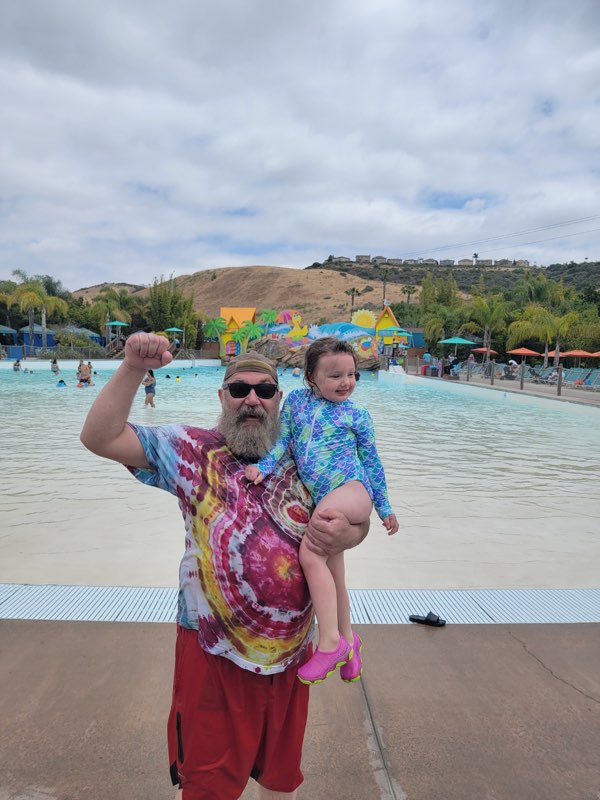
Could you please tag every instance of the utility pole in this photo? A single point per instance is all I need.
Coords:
(385, 275)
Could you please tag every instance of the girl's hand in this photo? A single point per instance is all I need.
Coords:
(253, 474)
(391, 524)
(147, 351)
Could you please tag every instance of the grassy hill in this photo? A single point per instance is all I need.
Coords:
(319, 292)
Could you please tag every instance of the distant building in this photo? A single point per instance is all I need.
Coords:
(342, 260)
(379, 260)
(431, 262)
(522, 262)
(362, 259)
(447, 262)
(465, 262)
(394, 262)
(485, 262)
(411, 262)
(503, 262)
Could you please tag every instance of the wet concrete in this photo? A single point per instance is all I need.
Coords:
(465, 712)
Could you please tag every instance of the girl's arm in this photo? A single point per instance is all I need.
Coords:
(268, 463)
(369, 457)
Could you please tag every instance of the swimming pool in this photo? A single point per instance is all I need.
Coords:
(489, 493)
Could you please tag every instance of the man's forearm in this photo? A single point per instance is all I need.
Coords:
(107, 418)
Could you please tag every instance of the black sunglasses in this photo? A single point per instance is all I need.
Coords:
(239, 390)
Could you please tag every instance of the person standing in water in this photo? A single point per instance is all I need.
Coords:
(149, 384)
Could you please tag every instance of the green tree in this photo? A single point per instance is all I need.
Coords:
(427, 297)
(239, 336)
(486, 316)
(267, 317)
(251, 331)
(409, 290)
(31, 296)
(353, 293)
(215, 328)
(540, 324)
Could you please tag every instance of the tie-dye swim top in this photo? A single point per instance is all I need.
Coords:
(240, 581)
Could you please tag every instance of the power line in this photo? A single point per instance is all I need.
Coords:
(539, 241)
(510, 235)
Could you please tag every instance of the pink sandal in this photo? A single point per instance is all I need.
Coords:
(321, 664)
(352, 670)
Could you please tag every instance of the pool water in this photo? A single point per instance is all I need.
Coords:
(488, 492)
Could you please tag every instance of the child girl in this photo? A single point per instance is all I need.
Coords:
(333, 445)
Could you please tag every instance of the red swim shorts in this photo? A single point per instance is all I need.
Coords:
(228, 724)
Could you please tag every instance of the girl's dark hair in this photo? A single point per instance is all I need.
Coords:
(322, 347)
(151, 373)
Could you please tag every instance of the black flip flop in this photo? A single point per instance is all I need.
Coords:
(431, 619)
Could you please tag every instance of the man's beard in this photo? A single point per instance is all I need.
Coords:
(252, 441)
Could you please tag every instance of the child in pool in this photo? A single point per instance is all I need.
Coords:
(333, 445)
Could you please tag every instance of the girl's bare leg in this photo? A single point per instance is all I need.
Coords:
(337, 569)
(325, 576)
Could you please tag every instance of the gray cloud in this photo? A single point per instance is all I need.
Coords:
(143, 138)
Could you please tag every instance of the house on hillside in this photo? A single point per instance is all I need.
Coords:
(235, 319)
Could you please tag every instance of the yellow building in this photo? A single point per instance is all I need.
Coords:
(234, 319)
(388, 331)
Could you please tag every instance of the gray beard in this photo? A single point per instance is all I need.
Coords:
(249, 443)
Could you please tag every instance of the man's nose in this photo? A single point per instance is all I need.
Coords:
(252, 399)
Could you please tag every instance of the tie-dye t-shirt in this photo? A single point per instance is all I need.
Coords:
(240, 581)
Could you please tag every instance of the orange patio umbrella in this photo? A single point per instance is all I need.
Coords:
(578, 354)
(484, 350)
(523, 352)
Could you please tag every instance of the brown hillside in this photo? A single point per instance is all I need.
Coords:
(90, 292)
(318, 294)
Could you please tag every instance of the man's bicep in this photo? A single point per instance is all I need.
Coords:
(127, 449)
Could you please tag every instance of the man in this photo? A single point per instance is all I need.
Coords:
(244, 618)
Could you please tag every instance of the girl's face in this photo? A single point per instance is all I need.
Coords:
(334, 377)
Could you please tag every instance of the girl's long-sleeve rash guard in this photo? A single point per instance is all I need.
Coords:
(332, 443)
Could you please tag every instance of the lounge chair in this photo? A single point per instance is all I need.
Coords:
(537, 377)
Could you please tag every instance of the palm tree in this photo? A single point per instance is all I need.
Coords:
(440, 322)
(214, 329)
(541, 324)
(475, 257)
(487, 315)
(267, 317)
(239, 336)
(409, 290)
(352, 292)
(251, 331)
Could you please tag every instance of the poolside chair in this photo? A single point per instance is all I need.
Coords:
(536, 377)
(507, 374)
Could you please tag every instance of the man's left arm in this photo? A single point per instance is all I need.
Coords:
(329, 532)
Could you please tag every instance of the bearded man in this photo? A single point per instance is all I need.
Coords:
(244, 621)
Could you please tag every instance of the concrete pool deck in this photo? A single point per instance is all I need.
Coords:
(506, 712)
(570, 393)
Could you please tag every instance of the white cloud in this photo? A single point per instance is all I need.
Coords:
(142, 139)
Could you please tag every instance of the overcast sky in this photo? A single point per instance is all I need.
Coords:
(144, 138)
